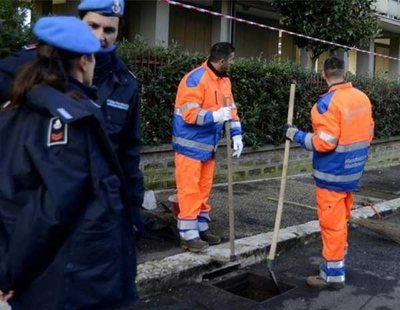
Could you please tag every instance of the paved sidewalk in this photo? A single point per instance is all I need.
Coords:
(162, 264)
(372, 281)
(255, 206)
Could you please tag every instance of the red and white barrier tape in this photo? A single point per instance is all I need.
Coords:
(241, 20)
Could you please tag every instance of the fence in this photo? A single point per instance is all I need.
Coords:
(147, 61)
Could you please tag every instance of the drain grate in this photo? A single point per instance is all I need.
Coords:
(252, 286)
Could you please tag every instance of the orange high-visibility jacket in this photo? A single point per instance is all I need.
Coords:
(200, 92)
(342, 131)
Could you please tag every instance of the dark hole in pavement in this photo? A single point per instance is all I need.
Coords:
(220, 272)
(252, 286)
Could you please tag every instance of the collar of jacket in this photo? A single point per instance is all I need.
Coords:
(46, 98)
(14, 62)
(109, 65)
(214, 73)
(340, 85)
(88, 91)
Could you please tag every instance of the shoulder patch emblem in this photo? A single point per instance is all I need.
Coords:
(58, 132)
(64, 113)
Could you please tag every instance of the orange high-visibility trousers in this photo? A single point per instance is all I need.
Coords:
(334, 210)
(194, 180)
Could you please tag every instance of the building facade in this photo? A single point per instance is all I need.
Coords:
(160, 24)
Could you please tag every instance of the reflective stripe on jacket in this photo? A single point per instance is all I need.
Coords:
(342, 131)
(200, 92)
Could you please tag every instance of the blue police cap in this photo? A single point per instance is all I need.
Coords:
(68, 33)
(108, 7)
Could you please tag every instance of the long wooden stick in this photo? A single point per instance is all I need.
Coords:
(293, 203)
(231, 211)
(278, 217)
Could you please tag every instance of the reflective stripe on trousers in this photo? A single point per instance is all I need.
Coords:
(203, 219)
(333, 271)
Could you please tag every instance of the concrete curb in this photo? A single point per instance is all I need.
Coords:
(159, 275)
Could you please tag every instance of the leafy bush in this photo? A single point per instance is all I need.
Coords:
(261, 90)
(352, 23)
(159, 84)
(385, 98)
(14, 32)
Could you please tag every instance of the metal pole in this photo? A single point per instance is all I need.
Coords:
(280, 46)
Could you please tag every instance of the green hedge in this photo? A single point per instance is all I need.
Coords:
(261, 90)
(385, 98)
(14, 33)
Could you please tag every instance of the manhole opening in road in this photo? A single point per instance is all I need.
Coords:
(252, 286)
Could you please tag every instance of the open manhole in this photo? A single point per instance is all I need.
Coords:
(251, 286)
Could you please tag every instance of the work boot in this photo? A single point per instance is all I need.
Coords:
(320, 283)
(210, 238)
(195, 245)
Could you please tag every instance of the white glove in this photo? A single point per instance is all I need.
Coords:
(237, 145)
(222, 115)
(4, 305)
(291, 132)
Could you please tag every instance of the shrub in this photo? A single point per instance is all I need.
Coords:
(14, 32)
(159, 71)
(385, 98)
(261, 90)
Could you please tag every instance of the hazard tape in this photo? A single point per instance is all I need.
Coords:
(241, 20)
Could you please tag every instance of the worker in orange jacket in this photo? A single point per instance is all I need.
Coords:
(204, 102)
(342, 131)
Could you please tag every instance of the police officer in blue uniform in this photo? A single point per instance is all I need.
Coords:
(65, 226)
(118, 92)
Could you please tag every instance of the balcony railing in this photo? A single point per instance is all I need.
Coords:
(388, 8)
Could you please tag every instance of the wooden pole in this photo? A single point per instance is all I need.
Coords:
(231, 212)
(278, 217)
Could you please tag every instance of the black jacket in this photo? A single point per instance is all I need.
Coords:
(119, 98)
(65, 231)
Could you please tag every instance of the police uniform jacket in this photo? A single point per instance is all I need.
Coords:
(9, 66)
(65, 233)
(119, 98)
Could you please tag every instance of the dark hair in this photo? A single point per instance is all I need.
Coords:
(334, 67)
(51, 67)
(82, 14)
(221, 50)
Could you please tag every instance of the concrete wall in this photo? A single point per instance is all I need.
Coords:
(190, 29)
(382, 64)
(132, 19)
(160, 24)
(253, 41)
(289, 49)
(158, 162)
(352, 62)
(65, 8)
